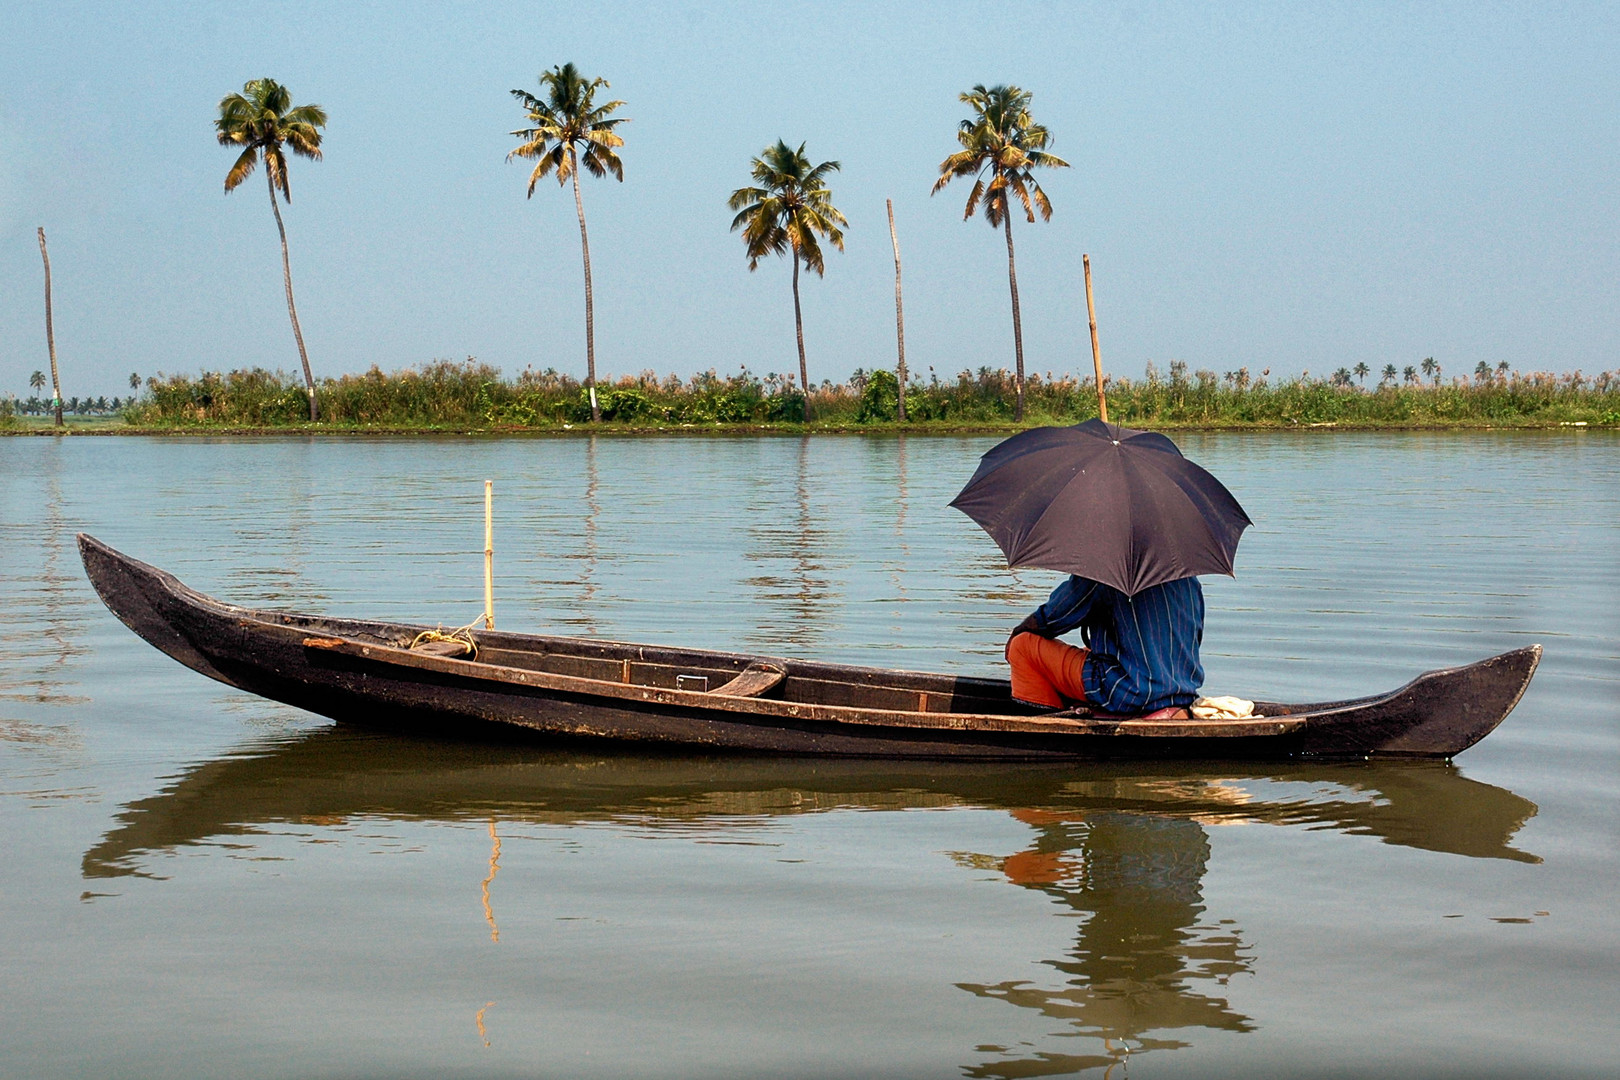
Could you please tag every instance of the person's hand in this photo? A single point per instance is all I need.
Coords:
(1030, 625)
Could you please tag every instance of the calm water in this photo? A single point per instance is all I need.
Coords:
(200, 883)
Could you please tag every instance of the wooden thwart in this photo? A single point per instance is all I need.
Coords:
(752, 681)
(443, 648)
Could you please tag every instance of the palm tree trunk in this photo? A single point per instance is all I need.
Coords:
(286, 280)
(50, 333)
(590, 314)
(899, 316)
(1018, 324)
(798, 327)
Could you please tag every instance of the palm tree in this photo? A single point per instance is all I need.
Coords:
(1388, 374)
(570, 130)
(263, 121)
(134, 381)
(1003, 139)
(1502, 370)
(1482, 372)
(1410, 374)
(784, 215)
(1431, 369)
(1362, 371)
(36, 381)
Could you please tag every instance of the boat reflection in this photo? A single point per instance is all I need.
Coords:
(1123, 846)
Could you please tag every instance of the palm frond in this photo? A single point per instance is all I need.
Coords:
(806, 249)
(1015, 183)
(603, 137)
(263, 120)
(601, 116)
(973, 199)
(271, 95)
(817, 177)
(242, 169)
(1000, 138)
(570, 131)
(276, 163)
(536, 144)
(790, 209)
(304, 140)
(312, 116)
(744, 197)
(1042, 201)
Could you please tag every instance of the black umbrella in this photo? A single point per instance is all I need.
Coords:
(1109, 503)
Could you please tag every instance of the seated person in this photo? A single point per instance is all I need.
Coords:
(1141, 652)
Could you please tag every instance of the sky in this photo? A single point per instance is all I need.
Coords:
(1293, 187)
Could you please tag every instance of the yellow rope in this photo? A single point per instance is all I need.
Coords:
(461, 635)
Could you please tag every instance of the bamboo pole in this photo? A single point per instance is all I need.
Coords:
(899, 314)
(50, 333)
(1096, 351)
(489, 554)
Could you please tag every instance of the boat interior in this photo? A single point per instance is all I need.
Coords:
(695, 670)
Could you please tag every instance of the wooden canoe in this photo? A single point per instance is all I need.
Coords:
(582, 689)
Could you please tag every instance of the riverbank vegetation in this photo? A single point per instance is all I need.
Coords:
(472, 396)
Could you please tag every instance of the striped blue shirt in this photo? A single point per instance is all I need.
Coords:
(1144, 648)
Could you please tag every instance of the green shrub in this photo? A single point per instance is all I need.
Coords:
(880, 397)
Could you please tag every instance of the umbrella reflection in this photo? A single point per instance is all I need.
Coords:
(1145, 961)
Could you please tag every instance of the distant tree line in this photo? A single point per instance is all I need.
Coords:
(97, 406)
(475, 396)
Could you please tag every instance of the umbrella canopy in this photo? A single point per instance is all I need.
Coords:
(1109, 503)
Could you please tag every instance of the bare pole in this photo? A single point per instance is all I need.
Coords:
(899, 313)
(1096, 351)
(489, 555)
(50, 333)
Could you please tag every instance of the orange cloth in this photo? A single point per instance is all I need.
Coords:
(1046, 672)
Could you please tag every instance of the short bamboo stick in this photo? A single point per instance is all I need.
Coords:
(489, 554)
(1096, 351)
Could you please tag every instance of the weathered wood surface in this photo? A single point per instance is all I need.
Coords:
(365, 672)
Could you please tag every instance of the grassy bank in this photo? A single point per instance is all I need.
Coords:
(475, 397)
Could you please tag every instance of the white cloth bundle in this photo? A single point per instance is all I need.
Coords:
(1222, 708)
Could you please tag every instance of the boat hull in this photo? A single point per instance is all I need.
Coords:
(579, 689)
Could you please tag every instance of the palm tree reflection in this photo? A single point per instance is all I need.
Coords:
(583, 617)
(800, 598)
